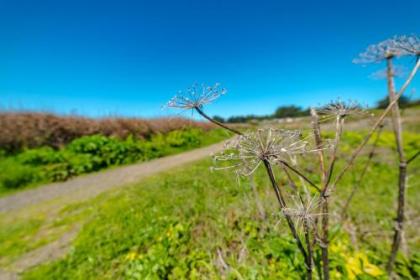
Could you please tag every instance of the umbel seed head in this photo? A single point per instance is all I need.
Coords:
(196, 96)
(395, 47)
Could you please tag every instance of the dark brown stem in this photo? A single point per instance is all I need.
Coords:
(309, 248)
(396, 122)
(362, 175)
(413, 157)
(324, 200)
(325, 239)
(306, 227)
(216, 122)
(289, 220)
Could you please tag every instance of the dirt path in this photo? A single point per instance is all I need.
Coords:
(54, 196)
(88, 186)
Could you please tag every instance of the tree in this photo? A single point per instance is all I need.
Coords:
(403, 102)
(290, 111)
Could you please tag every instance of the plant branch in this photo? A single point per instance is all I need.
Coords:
(201, 112)
(300, 174)
(289, 220)
(413, 157)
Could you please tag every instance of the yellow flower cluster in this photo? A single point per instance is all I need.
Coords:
(359, 264)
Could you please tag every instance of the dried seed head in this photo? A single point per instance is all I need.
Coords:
(341, 109)
(303, 211)
(395, 47)
(196, 96)
(248, 151)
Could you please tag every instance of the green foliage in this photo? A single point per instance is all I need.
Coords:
(14, 174)
(182, 224)
(93, 153)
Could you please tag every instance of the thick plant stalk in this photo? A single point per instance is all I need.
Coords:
(356, 152)
(362, 175)
(402, 178)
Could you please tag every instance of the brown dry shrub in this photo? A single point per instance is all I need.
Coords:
(27, 130)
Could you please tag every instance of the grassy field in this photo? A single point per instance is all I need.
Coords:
(193, 223)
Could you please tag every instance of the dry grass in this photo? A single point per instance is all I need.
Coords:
(28, 130)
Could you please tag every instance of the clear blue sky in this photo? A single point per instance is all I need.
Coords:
(129, 57)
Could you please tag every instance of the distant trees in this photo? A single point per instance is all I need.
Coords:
(293, 111)
(403, 102)
(290, 111)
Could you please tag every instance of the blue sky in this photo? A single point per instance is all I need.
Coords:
(128, 58)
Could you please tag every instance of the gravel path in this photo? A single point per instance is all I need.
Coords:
(88, 186)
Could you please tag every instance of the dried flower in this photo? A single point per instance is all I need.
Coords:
(248, 151)
(395, 47)
(304, 211)
(196, 96)
(341, 109)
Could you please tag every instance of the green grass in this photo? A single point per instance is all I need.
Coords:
(180, 224)
(87, 154)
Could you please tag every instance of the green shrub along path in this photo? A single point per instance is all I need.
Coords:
(32, 167)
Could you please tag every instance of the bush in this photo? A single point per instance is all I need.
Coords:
(15, 175)
(95, 152)
(31, 130)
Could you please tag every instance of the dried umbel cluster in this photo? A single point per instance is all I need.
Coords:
(304, 212)
(276, 150)
(246, 153)
(342, 109)
(196, 96)
(395, 47)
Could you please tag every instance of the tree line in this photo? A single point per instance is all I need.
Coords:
(293, 111)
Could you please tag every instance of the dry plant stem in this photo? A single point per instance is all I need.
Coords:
(376, 125)
(308, 246)
(279, 197)
(402, 180)
(362, 175)
(300, 174)
(216, 122)
(306, 227)
(338, 131)
(289, 220)
(413, 157)
(318, 141)
(324, 199)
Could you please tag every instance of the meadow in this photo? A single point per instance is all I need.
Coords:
(331, 196)
(194, 223)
